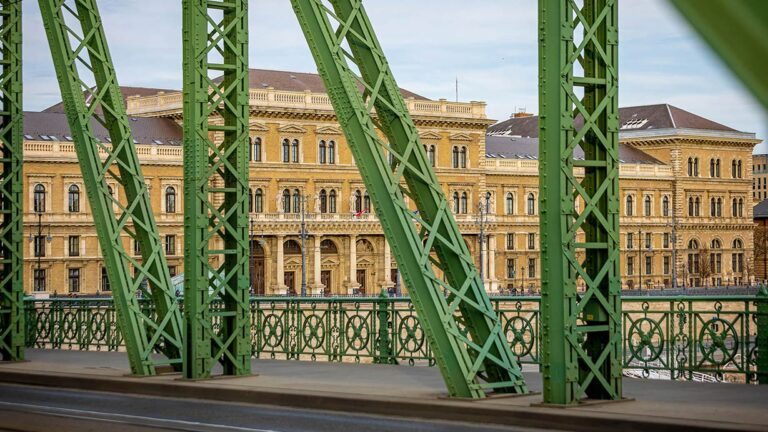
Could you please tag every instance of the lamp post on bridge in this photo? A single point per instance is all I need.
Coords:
(482, 218)
(303, 236)
(39, 247)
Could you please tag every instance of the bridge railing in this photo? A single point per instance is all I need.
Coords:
(676, 337)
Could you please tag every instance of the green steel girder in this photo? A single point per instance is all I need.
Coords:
(11, 202)
(458, 319)
(581, 332)
(738, 32)
(216, 283)
(91, 95)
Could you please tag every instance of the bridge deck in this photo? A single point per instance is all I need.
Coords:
(409, 392)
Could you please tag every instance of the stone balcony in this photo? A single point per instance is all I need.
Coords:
(167, 103)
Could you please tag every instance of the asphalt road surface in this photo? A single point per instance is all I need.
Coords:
(27, 408)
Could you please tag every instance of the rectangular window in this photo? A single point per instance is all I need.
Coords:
(648, 240)
(630, 240)
(74, 280)
(136, 247)
(39, 280)
(630, 266)
(172, 270)
(531, 268)
(510, 268)
(74, 246)
(666, 241)
(39, 246)
(666, 265)
(531, 241)
(105, 286)
(648, 265)
(170, 245)
(510, 241)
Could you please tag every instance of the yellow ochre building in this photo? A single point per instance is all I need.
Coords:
(686, 190)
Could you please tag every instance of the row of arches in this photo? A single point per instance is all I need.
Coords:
(629, 206)
(737, 168)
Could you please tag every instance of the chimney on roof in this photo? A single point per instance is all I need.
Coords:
(520, 113)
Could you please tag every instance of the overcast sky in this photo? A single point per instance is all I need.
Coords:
(489, 45)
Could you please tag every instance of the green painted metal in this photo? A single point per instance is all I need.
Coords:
(11, 202)
(456, 316)
(738, 33)
(216, 187)
(762, 336)
(713, 338)
(92, 96)
(581, 332)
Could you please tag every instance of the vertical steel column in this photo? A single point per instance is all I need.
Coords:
(457, 317)
(216, 282)
(581, 333)
(92, 96)
(11, 202)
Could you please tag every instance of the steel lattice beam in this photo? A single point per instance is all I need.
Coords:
(581, 332)
(11, 146)
(457, 317)
(738, 33)
(92, 96)
(216, 284)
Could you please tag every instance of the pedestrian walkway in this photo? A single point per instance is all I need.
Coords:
(406, 391)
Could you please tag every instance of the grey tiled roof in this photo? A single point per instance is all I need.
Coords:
(511, 147)
(53, 126)
(645, 117)
(760, 210)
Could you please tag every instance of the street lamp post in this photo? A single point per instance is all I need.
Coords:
(39, 248)
(522, 283)
(250, 259)
(483, 214)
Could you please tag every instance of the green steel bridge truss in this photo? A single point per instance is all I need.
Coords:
(92, 98)
(456, 314)
(11, 222)
(216, 244)
(581, 332)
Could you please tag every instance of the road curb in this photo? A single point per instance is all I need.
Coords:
(439, 409)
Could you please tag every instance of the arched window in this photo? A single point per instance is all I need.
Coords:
(510, 204)
(716, 257)
(332, 201)
(716, 244)
(738, 169)
(464, 203)
(630, 207)
(74, 199)
(258, 201)
(256, 149)
(711, 167)
(737, 257)
(286, 150)
(665, 205)
(695, 167)
(455, 157)
(322, 152)
(463, 157)
(719, 207)
(170, 199)
(323, 201)
(697, 206)
(456, 203)
(741, 207)
(286, 201)
(358, 202)
(690, 206)
(297, 207)
(647, 206)
(717, 168)
(531, 204)
(295, 151)
(690, 167)
(712, 207)
(250, 200)
(733, 168)
(693, 257)
(39, 198)
(431, 155)
(331, 152)
(367, 202)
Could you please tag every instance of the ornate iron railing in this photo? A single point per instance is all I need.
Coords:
(670, 337)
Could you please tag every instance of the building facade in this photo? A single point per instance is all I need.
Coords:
(682, 204)
(760, 177)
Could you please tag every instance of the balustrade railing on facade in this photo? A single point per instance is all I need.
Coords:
(676, 337)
